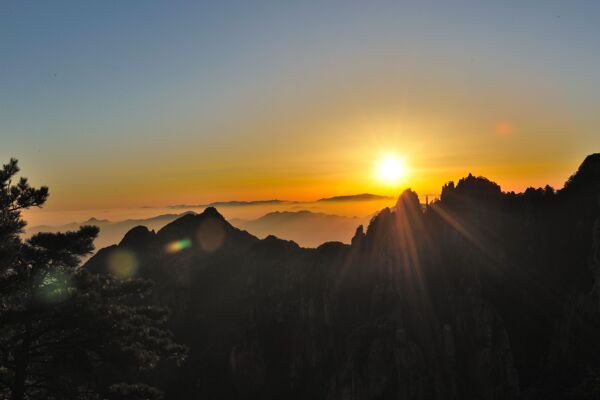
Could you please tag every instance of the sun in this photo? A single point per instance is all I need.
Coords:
(390, 170)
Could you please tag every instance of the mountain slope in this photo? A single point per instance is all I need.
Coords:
(111, 232)
(482, 295)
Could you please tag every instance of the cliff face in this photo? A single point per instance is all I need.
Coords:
(478, 296)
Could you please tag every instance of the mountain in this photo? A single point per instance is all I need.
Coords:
(307, 228)
(356, 197)
(587, 178)
(239, 203)
(232, 203)
(481, 294)
(111, 232)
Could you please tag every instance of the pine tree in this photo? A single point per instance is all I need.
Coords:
(65, 332)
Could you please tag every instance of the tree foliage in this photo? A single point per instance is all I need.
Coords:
(65, 332)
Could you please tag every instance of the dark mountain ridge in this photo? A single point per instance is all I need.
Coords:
(480, 295)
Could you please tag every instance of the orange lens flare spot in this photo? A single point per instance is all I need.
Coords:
(122, 264)
(504, 129)
(211, 235)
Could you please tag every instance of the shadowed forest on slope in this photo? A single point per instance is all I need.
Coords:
(480, 295)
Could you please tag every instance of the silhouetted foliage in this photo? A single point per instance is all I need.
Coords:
(471, 189)
(66, 333)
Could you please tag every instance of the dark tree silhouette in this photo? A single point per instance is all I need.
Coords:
(64, 332)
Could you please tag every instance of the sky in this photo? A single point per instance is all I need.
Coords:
(130, 104)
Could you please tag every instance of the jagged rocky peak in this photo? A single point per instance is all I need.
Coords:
(409, 199)
(587, 176)
(378, 226)
(189, 223)
(137, 236)
(211, 212)
(359, 236)
(208, 231)
(591, 165)
(471, 188)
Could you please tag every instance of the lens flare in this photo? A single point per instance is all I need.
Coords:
(178, 245)
(55, 287)
(504, 129)
(122, 264)
(211, 235)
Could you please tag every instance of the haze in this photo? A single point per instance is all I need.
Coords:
(119, 106)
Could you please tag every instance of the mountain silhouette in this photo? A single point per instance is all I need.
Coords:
(307, 228)
(232, 203)
(482, 294)
(111, 232)
(356, 197)
(587, 177)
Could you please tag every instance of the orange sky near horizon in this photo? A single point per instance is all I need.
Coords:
(426, 181)
(119, 107)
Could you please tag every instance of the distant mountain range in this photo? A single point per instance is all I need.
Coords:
(232, 203)
(307, 228)
(357, 197)
(238, 203)
(111, 232)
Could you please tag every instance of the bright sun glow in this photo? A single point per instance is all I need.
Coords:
(390, 170)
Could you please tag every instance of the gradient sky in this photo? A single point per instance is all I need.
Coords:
(147, 103)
